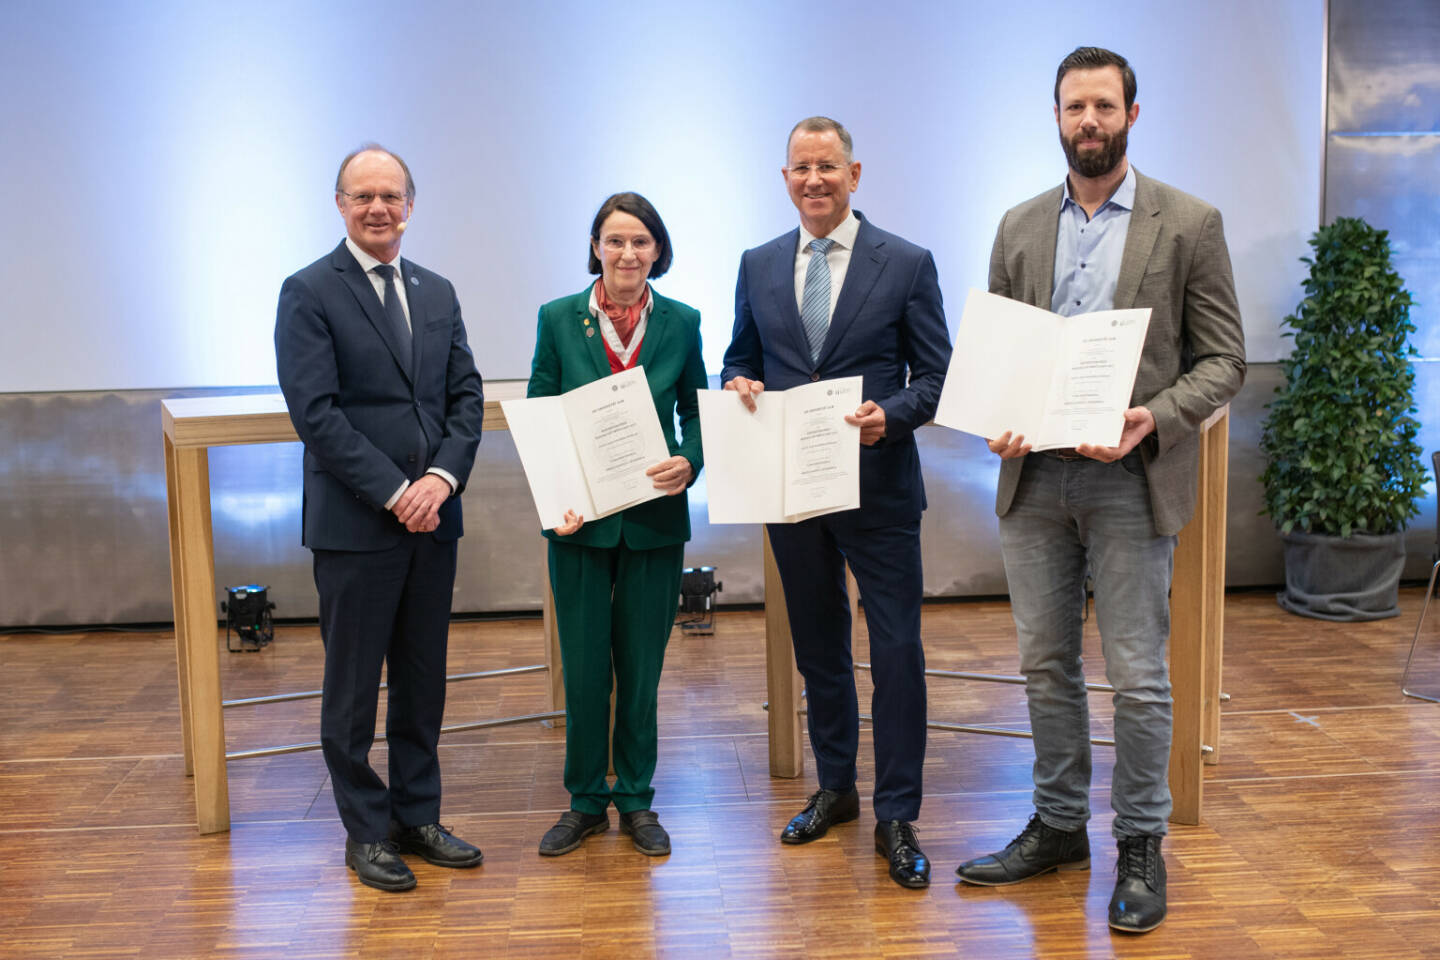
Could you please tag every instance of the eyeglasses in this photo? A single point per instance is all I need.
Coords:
(616, 244)
(365, 199)
(824, 169)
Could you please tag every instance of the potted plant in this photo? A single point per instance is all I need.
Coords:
(1344, 469)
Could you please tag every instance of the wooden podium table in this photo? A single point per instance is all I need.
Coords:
(192, 427)
(1197, 640)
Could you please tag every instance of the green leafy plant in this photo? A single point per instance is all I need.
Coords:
(1340, 436)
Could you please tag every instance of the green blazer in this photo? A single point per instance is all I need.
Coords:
(565, 358)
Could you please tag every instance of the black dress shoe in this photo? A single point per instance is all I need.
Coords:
(1038, 849)
(436, 844)
(1138, 904)
(645, 832)
(824, 809)
(570, 830)
(895, 840)
(378, 865)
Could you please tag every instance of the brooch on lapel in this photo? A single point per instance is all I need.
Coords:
(589, 330)
(414, 281)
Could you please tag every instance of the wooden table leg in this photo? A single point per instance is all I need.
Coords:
(787, 757)
(552, 639)
(1215, 457)
(195, 621)
(782, 680)
(1197, 597)
(177, 593)
(1187, 670)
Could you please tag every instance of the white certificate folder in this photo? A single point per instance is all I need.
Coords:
(1059, 381)
(587, 450)
(794, 458)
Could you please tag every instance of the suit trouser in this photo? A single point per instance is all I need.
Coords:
(389, 607)
(811, 557)
(1068, 516)
(614, 608)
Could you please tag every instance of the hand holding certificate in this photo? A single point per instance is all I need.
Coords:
(795, 457)
(1059, 381)
(588, 450)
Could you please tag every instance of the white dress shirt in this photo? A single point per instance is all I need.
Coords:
(368, 264)
(837, 257)
(607, 326)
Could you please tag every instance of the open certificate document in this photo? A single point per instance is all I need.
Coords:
(795, 457)
(1060, 381)
(587, 450)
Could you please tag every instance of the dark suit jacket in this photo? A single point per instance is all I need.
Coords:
(370, 414)
(1176, 263)
(565, 359)
(888, 324)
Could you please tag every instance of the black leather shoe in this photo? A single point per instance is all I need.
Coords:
(436, 844)
(571, 830)
(1038, 849)
(378, 865)
(1138, 904)
(645, 832)
(824, 809)
(895, 840)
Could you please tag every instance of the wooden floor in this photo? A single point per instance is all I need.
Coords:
(1321, 835)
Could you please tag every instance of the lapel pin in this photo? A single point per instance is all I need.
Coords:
(589, 330)
(414, 281)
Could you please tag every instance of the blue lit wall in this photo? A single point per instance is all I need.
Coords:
(167, 164)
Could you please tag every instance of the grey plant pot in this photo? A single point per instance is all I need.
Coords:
(1343, 578)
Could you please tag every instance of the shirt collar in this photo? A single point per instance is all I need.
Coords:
(843, 234)
(597, 313)
(367, 262)
(1123, 197)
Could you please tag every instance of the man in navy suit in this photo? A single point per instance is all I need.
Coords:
(839, 297)
(383, 391)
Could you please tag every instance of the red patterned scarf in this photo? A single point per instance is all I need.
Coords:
(622, 318)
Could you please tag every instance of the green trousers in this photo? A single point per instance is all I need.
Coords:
(614, 608)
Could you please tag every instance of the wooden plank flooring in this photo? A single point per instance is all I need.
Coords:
(1321, 835)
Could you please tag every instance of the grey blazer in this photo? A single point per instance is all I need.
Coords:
(1175, 263)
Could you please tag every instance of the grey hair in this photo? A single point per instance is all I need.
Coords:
(823, 125)
(369, 147)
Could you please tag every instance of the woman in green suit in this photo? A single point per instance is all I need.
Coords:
(617, 580)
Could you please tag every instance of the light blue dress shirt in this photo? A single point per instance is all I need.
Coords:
(1088, 251)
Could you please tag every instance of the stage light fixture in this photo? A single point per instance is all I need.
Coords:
(247, 612)
(698, 587)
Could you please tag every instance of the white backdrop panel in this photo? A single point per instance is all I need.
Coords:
(168, 164)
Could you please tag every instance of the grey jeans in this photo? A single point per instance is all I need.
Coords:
(1067, 516)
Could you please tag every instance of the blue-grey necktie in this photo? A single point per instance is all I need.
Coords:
(815, 301)
(393, 310)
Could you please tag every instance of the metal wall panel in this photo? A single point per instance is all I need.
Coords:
(83, 527)
(1394, 183)
(1384, 66)
(83, 535)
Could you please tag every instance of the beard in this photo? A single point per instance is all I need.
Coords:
(1096, 163)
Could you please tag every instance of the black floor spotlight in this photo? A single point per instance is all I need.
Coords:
(698, 587)
(247, 612)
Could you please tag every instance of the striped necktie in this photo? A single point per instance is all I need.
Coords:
(815, 301)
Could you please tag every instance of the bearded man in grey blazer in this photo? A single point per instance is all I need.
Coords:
(1108, 238)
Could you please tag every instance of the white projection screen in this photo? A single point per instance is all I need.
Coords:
(167, 164)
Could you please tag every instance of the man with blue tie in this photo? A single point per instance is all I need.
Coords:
(839, 297)
(382, 389)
